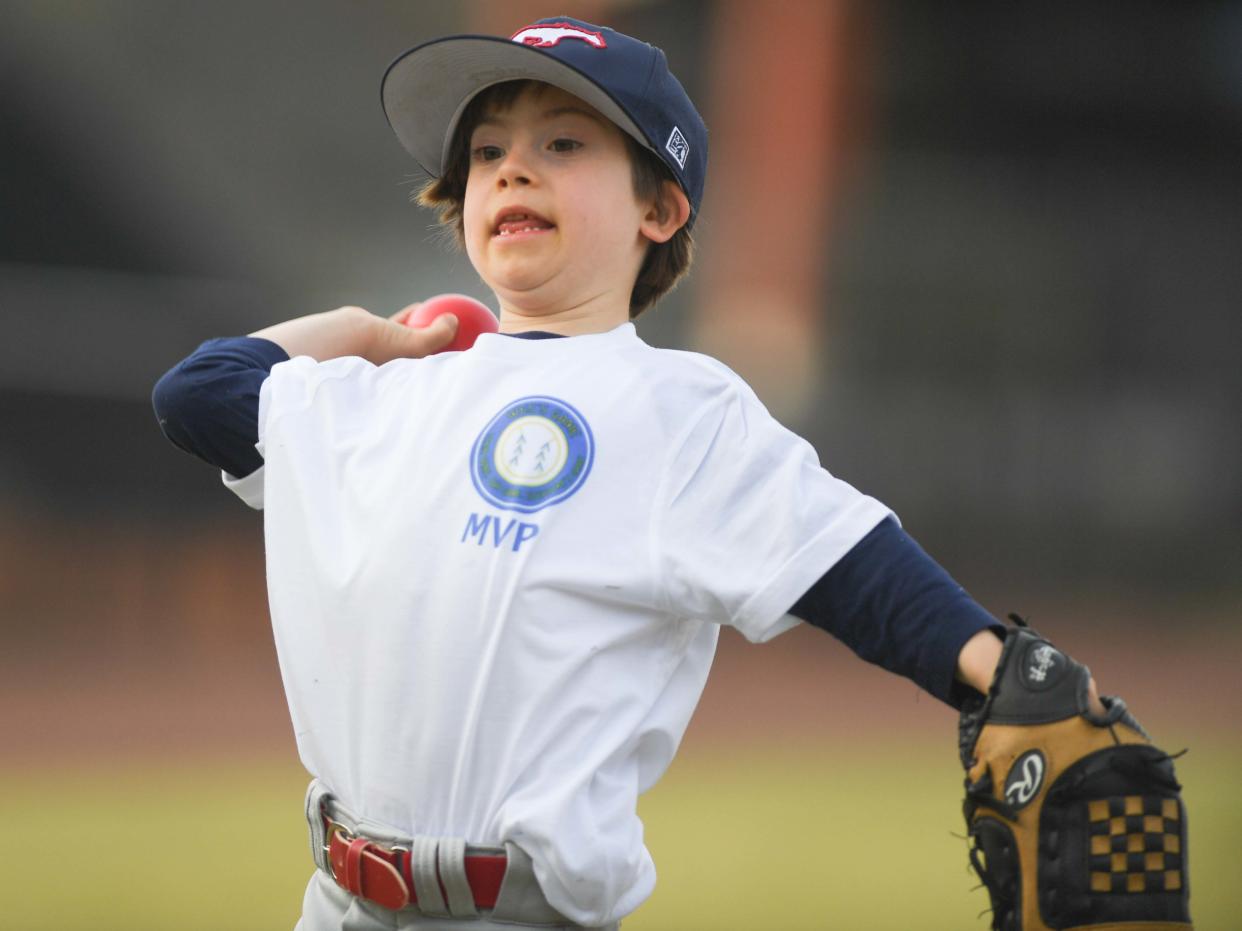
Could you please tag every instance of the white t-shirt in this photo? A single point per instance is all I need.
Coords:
(496, 579)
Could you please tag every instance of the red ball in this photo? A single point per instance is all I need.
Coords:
(472, 316)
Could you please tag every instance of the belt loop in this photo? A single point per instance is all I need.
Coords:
(426, 882)
(452, 860)
(316, 794)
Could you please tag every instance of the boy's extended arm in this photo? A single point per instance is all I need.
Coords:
(894, 606)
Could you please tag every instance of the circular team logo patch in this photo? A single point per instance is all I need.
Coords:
(537, 451)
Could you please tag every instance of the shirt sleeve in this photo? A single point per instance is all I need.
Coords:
(291, 388)
(747, 519)
(208, 404)
(894, 606)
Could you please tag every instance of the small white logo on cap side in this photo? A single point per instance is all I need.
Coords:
(547, 35)
(678, 147)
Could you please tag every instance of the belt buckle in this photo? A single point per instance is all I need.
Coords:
(334, 828)
(395, 891)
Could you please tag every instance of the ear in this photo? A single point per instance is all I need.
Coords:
(666, 214)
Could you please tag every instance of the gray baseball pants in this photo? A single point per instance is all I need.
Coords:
(328, 907)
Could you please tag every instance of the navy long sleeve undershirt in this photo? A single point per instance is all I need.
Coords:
(886, 599)
(894, 606)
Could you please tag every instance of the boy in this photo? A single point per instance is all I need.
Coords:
(497, 577)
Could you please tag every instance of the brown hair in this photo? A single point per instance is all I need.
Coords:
(665, 264)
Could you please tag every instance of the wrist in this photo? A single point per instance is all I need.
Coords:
(978, 659)
(353, 330)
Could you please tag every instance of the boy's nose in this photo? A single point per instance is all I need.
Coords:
(514, 170)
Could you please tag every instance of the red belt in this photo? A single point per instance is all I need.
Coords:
(382, 874)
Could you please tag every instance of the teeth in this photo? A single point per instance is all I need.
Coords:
(512, 225)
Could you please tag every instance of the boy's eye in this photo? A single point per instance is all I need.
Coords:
(565, 145)
(486, 153)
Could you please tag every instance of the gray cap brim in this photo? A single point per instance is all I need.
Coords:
(425, 90)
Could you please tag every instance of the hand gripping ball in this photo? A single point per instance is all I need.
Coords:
(473, 318)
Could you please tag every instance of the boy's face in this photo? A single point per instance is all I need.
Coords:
(550, 219)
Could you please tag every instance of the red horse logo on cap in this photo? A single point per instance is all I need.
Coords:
(546, 35)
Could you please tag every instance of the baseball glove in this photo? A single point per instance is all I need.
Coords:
(1075, 821)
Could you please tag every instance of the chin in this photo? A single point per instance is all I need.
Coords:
(528, 303)
(520, 288)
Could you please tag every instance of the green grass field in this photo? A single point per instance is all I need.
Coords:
(748, 840)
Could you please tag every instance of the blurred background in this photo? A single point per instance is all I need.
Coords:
(984, 256)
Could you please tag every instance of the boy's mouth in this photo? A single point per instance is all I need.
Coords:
(516, 220)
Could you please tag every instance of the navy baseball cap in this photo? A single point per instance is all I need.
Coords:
(426, 89)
